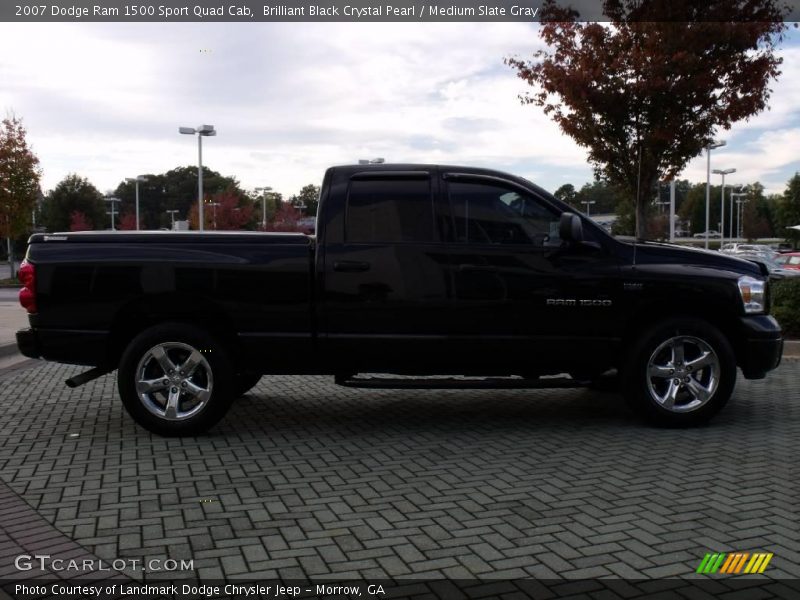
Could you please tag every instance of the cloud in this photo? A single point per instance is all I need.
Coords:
(291, 99)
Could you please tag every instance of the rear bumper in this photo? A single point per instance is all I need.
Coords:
(65, 346)
(27, 343)
(761, 346)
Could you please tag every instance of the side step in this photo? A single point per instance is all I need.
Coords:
(462, 383)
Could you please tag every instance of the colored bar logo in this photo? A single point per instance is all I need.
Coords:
(734, 563)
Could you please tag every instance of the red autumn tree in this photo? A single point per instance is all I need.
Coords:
(285, 219)
(223, 211)
(646, 92)
(19, 182)
(127, 222)
(79, 222)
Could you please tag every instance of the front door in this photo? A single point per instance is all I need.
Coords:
(525, 299)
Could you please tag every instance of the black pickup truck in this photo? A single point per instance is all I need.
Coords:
(478, 277)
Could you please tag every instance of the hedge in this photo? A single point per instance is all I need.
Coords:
(786, 305)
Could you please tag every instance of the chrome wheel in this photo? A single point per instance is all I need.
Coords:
(174, 381)
(683, 373)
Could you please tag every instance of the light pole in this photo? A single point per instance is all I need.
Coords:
(214, 206)
(136, 180)
(722, 172)
(588, 204)
(709, 148)
(172, 216)
(739, 203)
(264, 191)
(201, 131)
(672, 210)
(113, 202)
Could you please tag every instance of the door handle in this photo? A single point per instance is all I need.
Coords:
(478, 268)
(350, 266)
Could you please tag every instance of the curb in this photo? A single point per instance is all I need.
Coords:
(8, 349)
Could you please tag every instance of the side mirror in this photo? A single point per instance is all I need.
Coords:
(570, 228)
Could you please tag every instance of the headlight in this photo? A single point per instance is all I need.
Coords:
(754, 294)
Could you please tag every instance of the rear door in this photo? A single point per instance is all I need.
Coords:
(386, 292)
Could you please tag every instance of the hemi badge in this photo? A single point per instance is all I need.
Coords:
(632, 287)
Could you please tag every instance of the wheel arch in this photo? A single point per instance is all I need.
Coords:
(146, 312)
(656, 311)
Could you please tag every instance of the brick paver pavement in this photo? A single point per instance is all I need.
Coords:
(307, 479)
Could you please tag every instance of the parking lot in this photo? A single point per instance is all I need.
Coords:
(305, 479)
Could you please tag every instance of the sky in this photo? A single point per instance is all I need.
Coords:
(105, 100)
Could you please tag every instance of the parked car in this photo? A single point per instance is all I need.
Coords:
(711, 234)
(415, 270)
(789, 260)
(760, 249)
(777, 270)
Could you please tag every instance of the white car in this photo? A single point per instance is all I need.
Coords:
(711, 233)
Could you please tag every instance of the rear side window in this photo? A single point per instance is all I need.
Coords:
(391, 209)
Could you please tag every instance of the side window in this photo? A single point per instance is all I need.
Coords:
(488, 213)
(389, 210)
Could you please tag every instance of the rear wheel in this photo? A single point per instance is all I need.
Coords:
(175, 379)
(681, 372)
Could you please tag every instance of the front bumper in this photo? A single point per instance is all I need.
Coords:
(761, 346)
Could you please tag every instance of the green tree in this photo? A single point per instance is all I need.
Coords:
(173, 190)
(19, 183)
(604, 196)
(789, 210)
(646, 92)
(693, 208)
(566, 193)
(307, 200)
(74, 194)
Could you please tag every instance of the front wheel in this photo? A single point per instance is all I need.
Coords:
(175, 379)
(681, 372)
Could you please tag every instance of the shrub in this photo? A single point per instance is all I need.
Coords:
(786, 305)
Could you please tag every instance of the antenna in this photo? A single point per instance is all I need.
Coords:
(636, 204)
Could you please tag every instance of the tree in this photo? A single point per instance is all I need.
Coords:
(127, 221)
(646, 92)
(224, 211)
(173, 190)
(19, 183)
(566, 193)
(693, 208)
(789, 210)
(307, 200)
(79, 222)
(285, 219)
(73, 193)
(606, 199)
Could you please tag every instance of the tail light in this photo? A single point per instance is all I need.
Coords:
(27, 295)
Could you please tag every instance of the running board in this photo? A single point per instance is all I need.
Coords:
(462, 383)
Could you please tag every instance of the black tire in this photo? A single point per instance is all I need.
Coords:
(202, 393)
(244, 382)
(672, 392)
